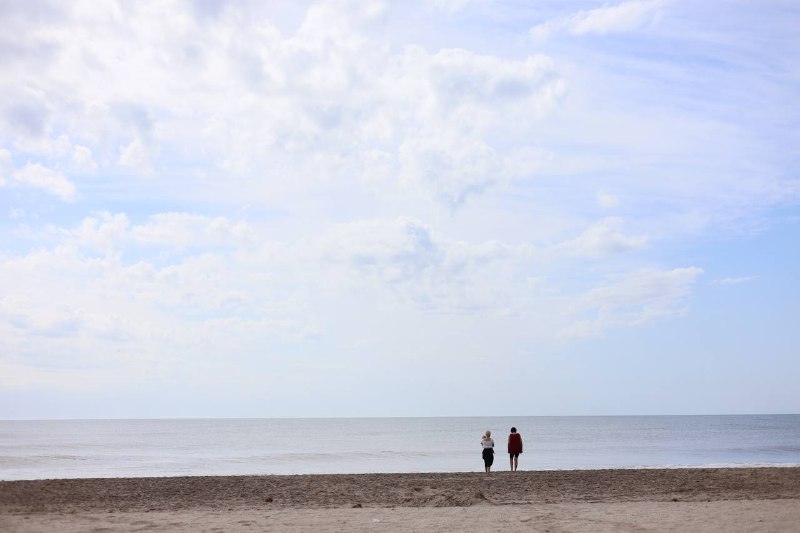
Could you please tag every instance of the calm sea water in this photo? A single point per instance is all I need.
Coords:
(123, 448)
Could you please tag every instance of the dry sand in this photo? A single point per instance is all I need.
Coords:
(746, 499)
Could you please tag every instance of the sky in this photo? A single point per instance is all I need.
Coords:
(219, 208)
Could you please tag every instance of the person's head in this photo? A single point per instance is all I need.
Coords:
(513, 430)
(488, 433)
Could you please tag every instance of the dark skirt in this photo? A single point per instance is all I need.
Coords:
(488, 456)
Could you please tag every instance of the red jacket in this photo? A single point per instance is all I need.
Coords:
(515, 443)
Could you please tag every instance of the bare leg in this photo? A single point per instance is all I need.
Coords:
(516, 462)
(511, 461)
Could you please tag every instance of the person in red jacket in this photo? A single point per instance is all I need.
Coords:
(514, 448)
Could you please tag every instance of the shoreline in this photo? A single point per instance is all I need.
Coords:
(714, 499)
(712, 466)
(456, 489)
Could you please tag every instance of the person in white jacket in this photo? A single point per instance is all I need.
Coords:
(488, 450)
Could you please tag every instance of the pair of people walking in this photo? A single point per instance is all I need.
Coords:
(514, 449)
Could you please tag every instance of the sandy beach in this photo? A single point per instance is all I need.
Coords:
(745, 499)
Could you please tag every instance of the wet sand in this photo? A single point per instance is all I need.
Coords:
(739, 499)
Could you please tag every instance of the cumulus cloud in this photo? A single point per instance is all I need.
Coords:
(453, 169)
(603, 239)
(108, 232)
(219, 288)
(103, 232)
(82, 157)
(451, 148)
(185, 229)
(279, 109)
(67, 306)
(135, 155)
(460, 75)
(51, 181)
(340, 98)
(407, 258)
(479, 152)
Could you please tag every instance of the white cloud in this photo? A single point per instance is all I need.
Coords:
(221, 291)
(484, 157)
(51, 181)
(185, 229)
(603, 239)
(624, 17)
(103, 232)
(632, 301)
(5, 165)
(43, 146)
(607, 201)
(734, 280)
(460, 101)
(453, 6)
(82, 157)
(460, 75)
(134, 155)
(342, 98)
(62, 308)
(284, 111)
(412, 262)
(112, 233)
(453, 169)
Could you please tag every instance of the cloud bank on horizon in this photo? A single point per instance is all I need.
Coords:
(233, 199)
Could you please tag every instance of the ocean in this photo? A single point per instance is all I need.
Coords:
(182, 447)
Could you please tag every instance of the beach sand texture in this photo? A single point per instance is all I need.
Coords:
(730, 499)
